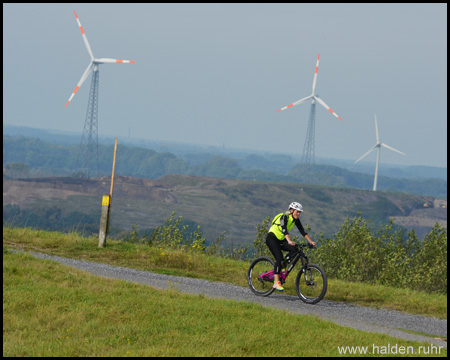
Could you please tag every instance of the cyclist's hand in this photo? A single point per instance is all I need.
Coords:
(312, 244)
(291, 243)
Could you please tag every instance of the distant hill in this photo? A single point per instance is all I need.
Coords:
(234, 206)
(247, 159)
(45, 158)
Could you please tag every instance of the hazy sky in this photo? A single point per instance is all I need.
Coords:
(215, 74)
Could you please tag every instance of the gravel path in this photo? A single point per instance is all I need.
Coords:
(362, 318)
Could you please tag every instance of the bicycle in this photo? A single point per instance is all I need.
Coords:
(311, 282)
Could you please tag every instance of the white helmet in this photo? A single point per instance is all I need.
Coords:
(296, 206)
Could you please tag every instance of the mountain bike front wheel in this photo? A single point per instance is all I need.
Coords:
(260, 276)
(311, 284)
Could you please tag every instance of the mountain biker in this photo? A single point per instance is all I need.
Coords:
(278, 238)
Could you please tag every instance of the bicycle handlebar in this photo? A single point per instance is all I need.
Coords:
(311, 246)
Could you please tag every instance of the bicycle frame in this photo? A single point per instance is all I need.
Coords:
(298, 255)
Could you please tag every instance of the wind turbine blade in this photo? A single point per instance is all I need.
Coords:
(315, 75)
(376, 129)
(367, 153)
(321, 102)
(391, 148)
(84, 37)
(296, 103)
(106, 60)
(83, 77)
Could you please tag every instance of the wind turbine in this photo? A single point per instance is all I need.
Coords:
(88, 144)
(308, 149)
(378, 146)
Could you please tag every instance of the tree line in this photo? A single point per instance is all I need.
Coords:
(32, 157)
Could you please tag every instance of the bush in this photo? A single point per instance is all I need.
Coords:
(429, 262)
(260, 242)
(356, 254)
(173, 235)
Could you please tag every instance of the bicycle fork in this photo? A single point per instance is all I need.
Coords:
(307, 273)
(308, 276)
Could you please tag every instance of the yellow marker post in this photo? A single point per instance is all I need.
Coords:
(105, 200)
(106, 208)
(104, 221)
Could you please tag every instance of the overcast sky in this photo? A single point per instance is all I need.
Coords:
(215, 74)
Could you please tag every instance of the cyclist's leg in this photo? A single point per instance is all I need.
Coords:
(284, 245)
(274, 246)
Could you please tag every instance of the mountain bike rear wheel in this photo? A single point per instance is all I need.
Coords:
(260, 276)
(311, 285)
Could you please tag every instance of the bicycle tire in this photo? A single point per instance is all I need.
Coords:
(311, 293)
(258, 285)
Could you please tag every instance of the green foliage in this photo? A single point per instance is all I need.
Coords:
(429, 262)
(214, 247)
(132, 237)
(38, 154)
(356, 254)
(173, 235)
(17, 170)
(260, 242)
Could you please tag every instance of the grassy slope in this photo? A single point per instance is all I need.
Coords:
(54, 310)
(198, 265)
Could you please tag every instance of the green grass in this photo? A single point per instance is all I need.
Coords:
(51, 310)
(192, 263)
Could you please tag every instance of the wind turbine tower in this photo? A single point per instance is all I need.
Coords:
(89, 139)
(377, 146)
(308, 156)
